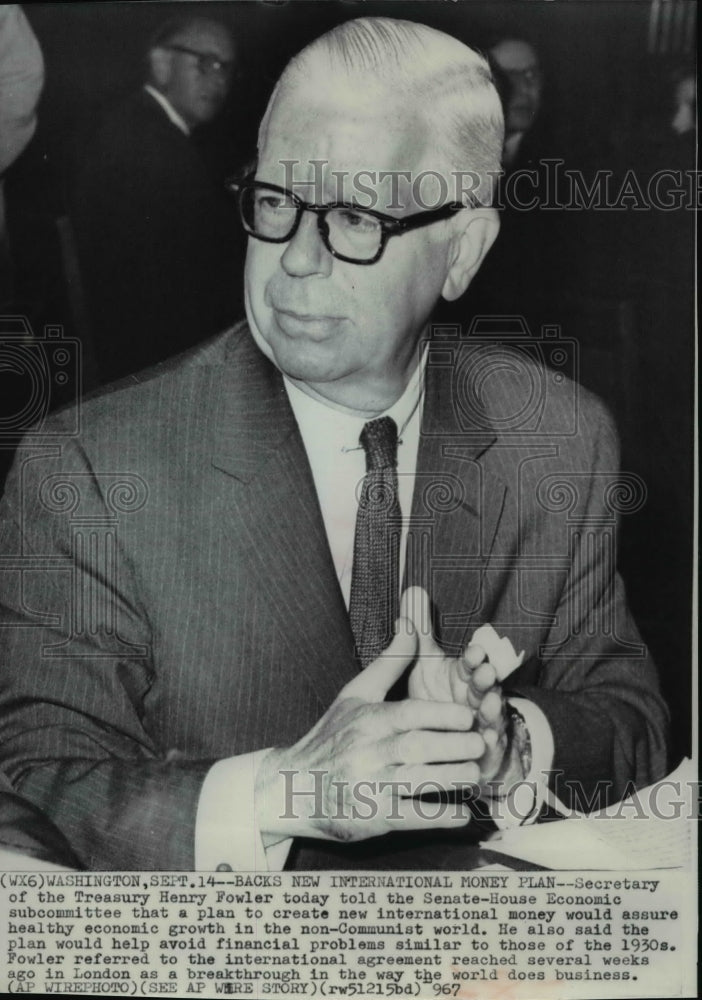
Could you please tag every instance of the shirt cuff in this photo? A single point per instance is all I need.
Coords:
(523, 803)
(227, 836)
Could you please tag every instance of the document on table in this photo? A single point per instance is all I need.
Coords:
(653, 828)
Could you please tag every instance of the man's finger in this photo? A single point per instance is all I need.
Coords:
(414, 814)
(473, 655)
(414, 714)
(491, 710)
(425, 778)
(491, 726)
(427, 748)
(416, 606)
(481, 678)
(373, 683)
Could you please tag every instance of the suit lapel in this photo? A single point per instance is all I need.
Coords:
(456, 508)
(269, 501)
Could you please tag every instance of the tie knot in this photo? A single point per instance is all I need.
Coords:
(379, 439)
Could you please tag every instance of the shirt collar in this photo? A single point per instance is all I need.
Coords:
(177, 120)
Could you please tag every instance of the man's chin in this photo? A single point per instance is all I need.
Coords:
(304, 365)
(300, 359)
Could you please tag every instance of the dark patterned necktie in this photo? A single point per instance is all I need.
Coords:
(374, 604)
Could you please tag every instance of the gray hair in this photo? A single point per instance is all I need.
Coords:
(450, 84)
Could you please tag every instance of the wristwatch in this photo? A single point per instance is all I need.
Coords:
(519, 737)
(519, 747)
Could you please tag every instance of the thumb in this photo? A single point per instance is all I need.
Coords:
(416, 607)
(373, 683)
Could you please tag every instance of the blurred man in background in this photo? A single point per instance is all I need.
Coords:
(526, 272)
(21, 80)
(155, 233)
(517, 62)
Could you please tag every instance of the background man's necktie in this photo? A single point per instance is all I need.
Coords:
(374, 604)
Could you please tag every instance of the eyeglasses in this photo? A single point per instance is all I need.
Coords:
(350, 233)
(207, 63)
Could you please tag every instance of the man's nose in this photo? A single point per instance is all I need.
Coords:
(306, 253)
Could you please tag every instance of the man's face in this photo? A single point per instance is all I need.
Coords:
(196, 81)
(349, 331)
(520, 64)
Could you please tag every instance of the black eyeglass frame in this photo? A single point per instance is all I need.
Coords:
(224, 67)
(389, 225)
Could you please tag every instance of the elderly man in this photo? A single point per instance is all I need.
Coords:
(208, 660)
(154, 231)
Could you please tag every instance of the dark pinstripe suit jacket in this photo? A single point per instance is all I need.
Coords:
(169, 599)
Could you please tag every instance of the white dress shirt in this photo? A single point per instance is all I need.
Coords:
(226, 830)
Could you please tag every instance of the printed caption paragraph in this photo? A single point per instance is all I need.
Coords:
(472, 934)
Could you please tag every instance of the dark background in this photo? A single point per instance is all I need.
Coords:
(629, 303)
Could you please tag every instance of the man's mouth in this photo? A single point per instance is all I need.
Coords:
(311, 324)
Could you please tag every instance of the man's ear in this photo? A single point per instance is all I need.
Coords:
(471, 242)
(160, 66)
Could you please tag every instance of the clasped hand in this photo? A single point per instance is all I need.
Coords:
(357, 773)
